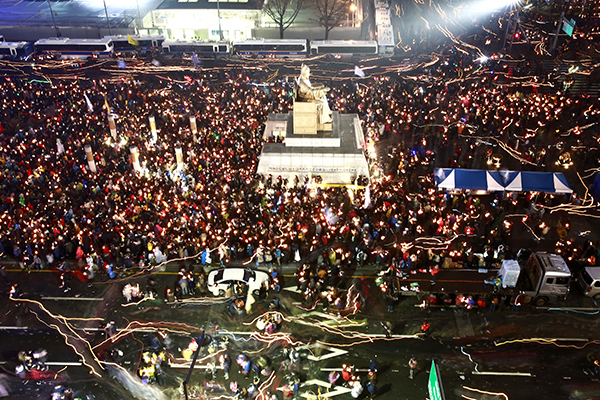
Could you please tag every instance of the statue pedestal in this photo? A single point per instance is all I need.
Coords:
(306, 119)
(336, 155)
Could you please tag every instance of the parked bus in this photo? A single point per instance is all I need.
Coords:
(22, 51)
(66, 48)
(141, 43)
(202, 49)
(342, 48)
(284, 48)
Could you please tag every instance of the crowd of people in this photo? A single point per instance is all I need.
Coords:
(138, 209)
(54, 207)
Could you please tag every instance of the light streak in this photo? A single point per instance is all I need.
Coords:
(66, 336)
(266, 315)
(136, 303)
(236, 338)
(546, 341)
(59, 371)
(157, 326)
(486, 392)
(264, 385)
(273, 338)
(462, 350)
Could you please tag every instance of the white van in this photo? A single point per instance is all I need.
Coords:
(589, 280)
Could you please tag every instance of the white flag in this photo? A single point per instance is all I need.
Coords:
(59, 147)
(359, 72)
(89, 103)
(155, 63)
(367, 197)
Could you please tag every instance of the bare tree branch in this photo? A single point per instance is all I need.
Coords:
(331, 13)
(283, 12)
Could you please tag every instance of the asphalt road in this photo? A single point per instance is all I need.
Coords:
(482, 350)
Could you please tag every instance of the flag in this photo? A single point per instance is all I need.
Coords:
(367, 197)
(132, 41)
(331, 218)
(106, 104)
(195, 60)
(359, 72)
(89, 103)
(121, 64)
(155, 63)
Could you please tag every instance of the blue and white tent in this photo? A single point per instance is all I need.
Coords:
(495, 181)
(467, 179)
(525, 181)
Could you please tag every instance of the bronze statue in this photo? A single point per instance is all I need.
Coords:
(314, 94)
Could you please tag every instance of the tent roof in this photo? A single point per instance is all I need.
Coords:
(492, 181)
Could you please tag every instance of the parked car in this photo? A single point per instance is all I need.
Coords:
(220, 279)
(589, 281)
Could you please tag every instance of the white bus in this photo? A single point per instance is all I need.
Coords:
(284, 48)
(141, 43)
(342, 48)
(202, 49)
(82, 49)
(16, 50)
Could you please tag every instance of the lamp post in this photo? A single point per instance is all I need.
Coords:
(203, 340)
(107, 20)
(53, 20)
(137, 2)
(219, 18)
(353, 9)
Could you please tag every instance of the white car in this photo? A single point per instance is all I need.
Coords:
(220, 279)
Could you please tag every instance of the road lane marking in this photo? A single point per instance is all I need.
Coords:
(333, 352)
(74, 298)
(501, 373)
(56, 363)
(336, 391)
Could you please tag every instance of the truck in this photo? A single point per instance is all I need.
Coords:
(543, 278)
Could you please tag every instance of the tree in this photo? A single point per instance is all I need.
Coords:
(283, 12)
(331, 13)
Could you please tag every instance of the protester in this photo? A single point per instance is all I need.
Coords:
(412, 365)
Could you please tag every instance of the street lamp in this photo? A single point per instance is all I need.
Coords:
(107, 20)
(353, 9)
(139, 15)
(203, 340)
(219, 18)
(53, 20)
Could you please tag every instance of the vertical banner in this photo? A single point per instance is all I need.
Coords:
(194, 128)
(90, 159)
(112, 126)
(135, 158)
(434, 384)
(179, 158)
(153, 128)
